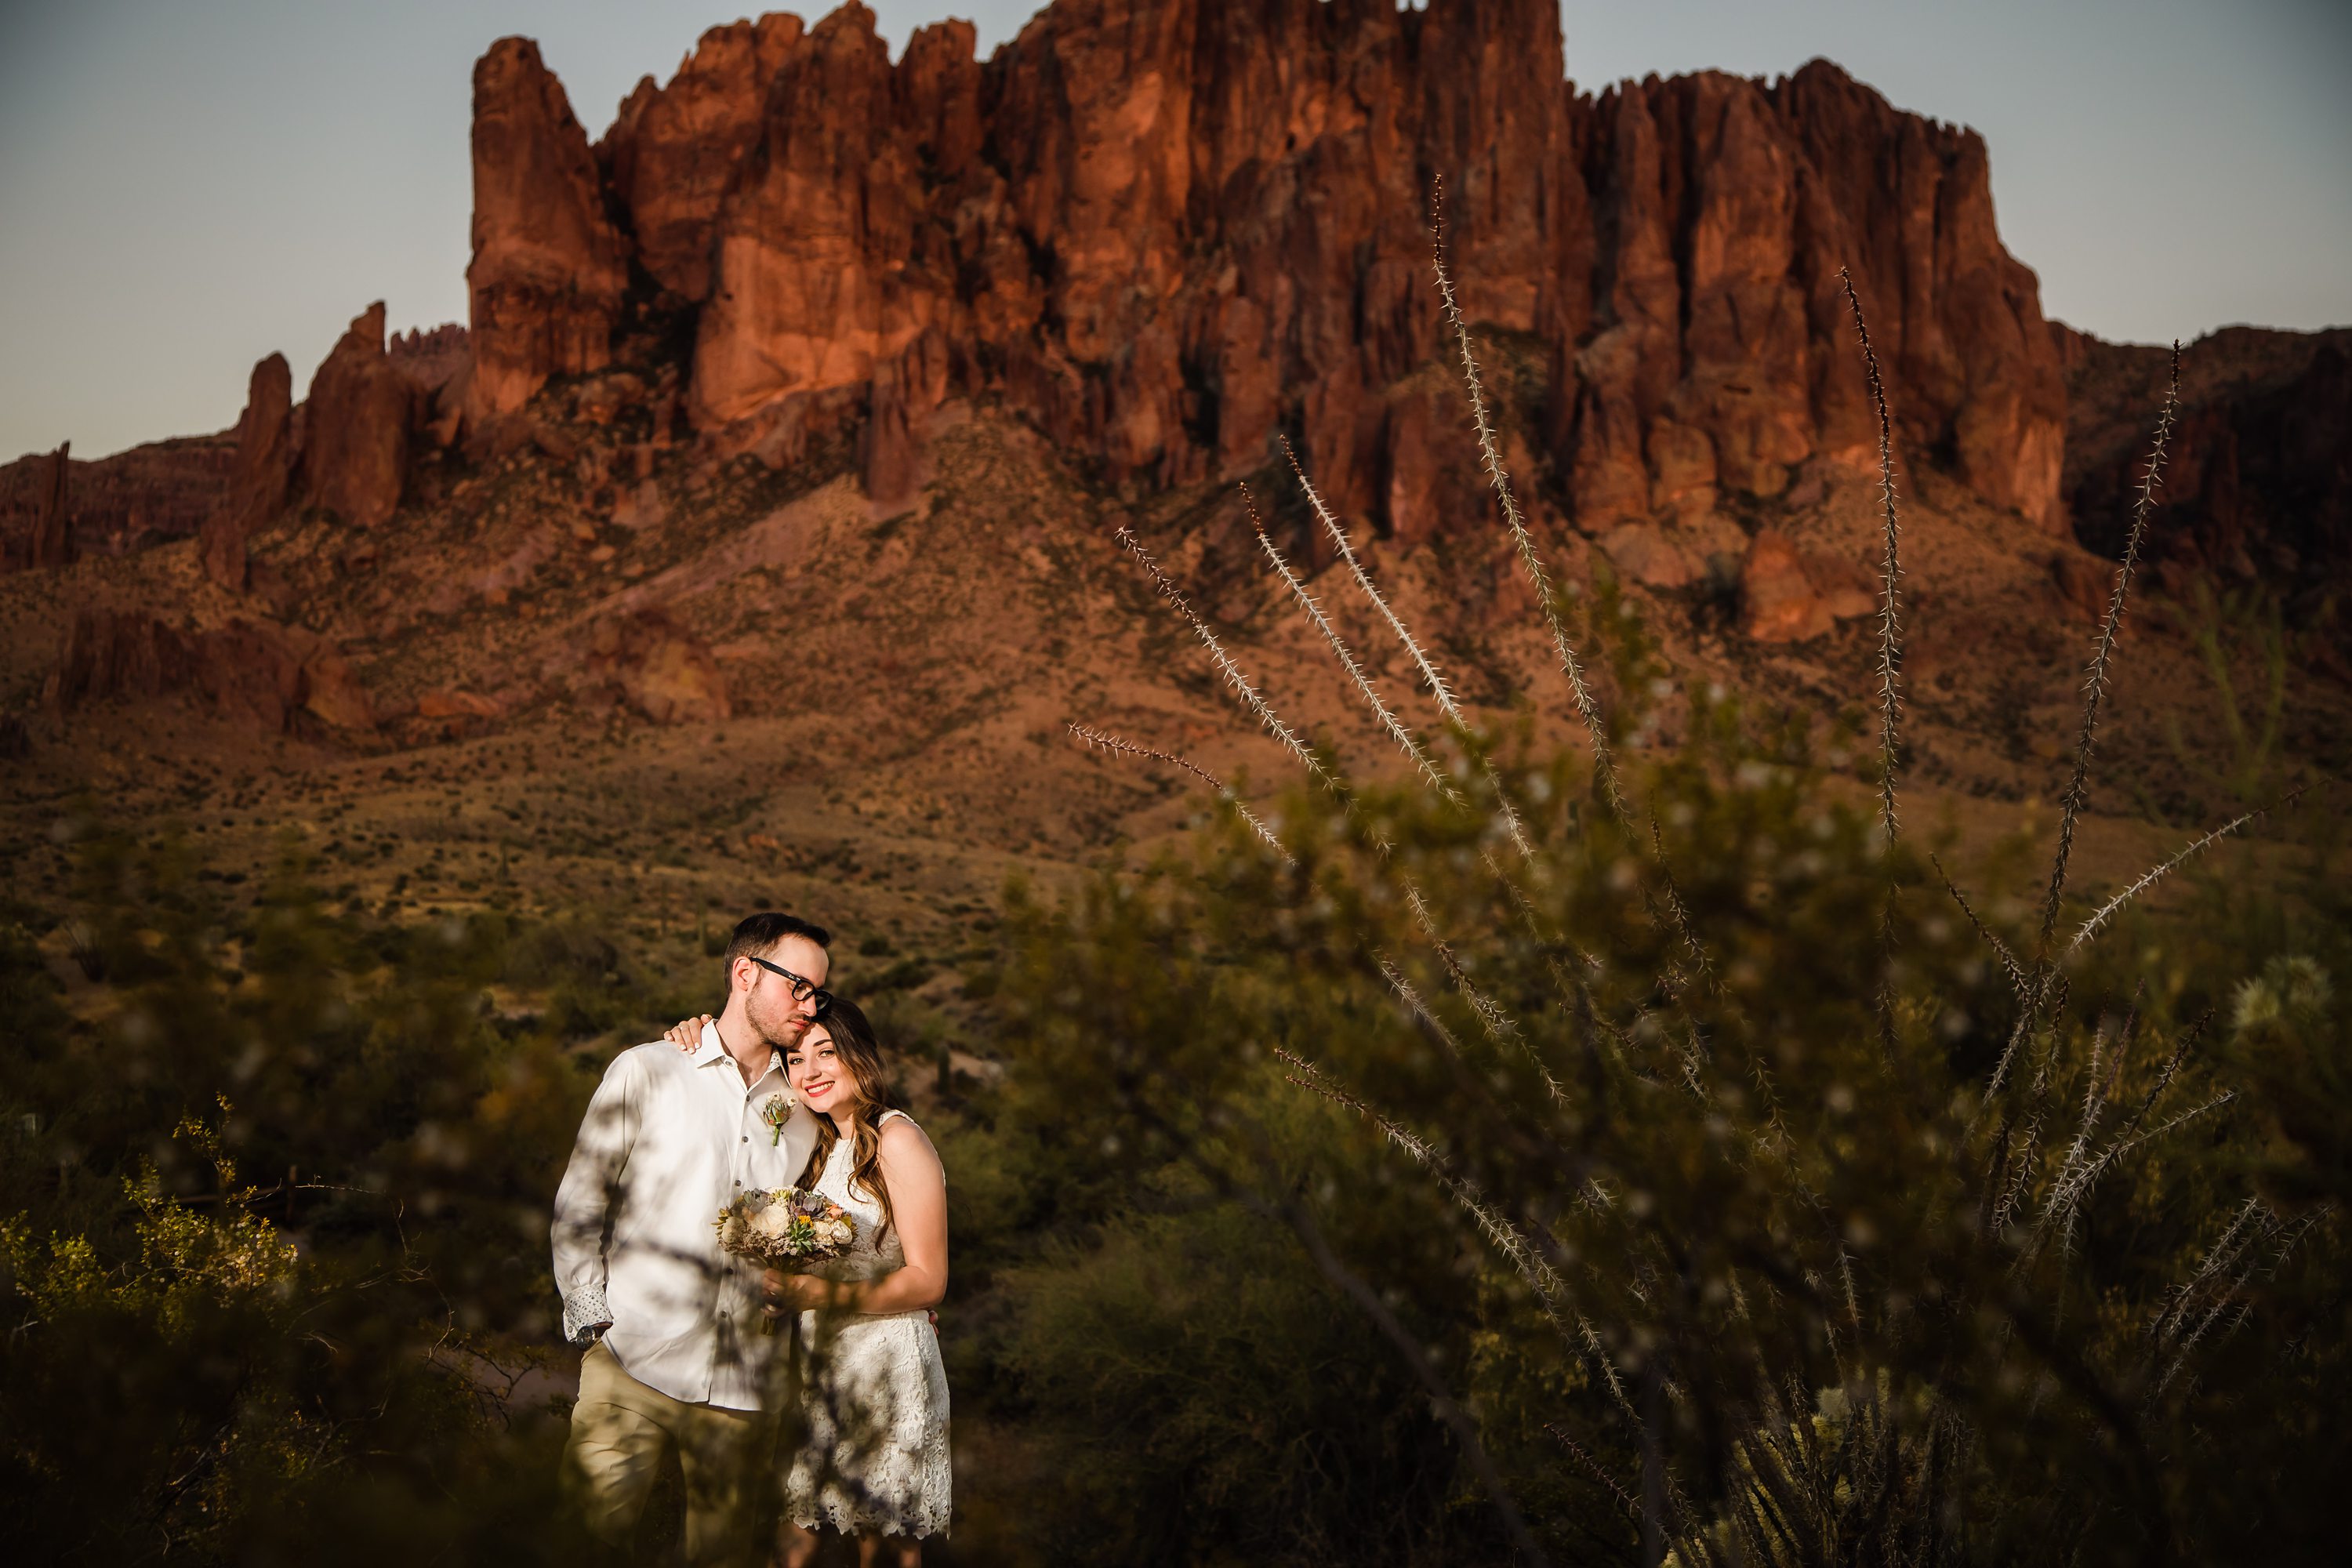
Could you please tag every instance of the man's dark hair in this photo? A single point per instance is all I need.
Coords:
(757, 935)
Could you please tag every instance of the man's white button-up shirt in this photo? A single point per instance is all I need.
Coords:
(668, 1140)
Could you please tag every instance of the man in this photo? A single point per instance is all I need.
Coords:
(675, 1357)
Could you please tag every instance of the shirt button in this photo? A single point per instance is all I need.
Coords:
(747, 1137)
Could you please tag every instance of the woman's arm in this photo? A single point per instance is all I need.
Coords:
(919, 1207)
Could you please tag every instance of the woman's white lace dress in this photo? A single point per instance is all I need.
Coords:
(876, 1393)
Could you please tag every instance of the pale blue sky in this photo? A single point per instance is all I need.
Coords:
(186, 185)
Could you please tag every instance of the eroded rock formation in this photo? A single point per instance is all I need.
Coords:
(52, 542)
(355, 428)
(150, 494)
(278, 678)
(2259, 481)
(663, 672)
(673, 152)
(1790, 594)
(1168, 232)
(258, 484)
(1168, 229)
(549, 268)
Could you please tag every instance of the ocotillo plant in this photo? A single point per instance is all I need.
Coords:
(1781, 1146)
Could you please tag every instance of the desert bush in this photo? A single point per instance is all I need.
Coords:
(274, 1247)
(1821, 1213)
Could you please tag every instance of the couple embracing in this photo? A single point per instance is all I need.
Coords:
(692, 1351)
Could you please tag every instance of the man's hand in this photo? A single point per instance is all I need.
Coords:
(687, 1034)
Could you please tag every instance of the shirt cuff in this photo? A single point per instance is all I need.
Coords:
(583, 1311)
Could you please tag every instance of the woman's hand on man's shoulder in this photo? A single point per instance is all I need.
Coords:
(686, 1033)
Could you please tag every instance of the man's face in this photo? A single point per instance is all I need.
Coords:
(781, 1017)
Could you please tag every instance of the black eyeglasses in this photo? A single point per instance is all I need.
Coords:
(802, 989)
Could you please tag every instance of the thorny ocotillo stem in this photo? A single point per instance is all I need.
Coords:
(1587, 709)
(1604, 761)
(1250, 698)
(1890, 624)
(1389, 721)
(2095, 680)
(1093, 738)
(1438, 689)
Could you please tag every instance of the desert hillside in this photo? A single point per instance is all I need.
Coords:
(759, 527)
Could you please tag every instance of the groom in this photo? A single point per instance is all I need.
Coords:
(675, 1360)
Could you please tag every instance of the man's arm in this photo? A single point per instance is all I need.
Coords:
(584, 1200)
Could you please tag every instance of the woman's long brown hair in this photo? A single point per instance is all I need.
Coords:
(855, 1048)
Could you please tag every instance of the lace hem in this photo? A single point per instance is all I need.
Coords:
(584, 1309)
(894, 1493)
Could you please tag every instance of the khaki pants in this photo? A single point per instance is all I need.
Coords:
(620, 1429)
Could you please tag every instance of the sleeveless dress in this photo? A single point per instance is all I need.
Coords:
(874, 1393)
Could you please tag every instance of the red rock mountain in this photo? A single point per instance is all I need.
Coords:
(2259, 487)
(1167, 234)
(150, 494)
(547, 273)
(1169, 230)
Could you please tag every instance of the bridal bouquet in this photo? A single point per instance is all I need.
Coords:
(789, 1228)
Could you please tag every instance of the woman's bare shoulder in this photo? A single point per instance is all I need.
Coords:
(900, 1138)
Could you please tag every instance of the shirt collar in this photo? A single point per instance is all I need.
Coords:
(714, 1050)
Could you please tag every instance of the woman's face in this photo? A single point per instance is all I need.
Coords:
(819, 1075)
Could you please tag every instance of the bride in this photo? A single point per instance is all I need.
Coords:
(875, 1459)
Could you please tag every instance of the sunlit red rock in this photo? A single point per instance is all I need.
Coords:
(662, 671)
(828, 262)
(1195, 223)
(674, 149)
(1789, 593)
(549, 268)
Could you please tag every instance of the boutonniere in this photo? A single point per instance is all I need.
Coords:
(775, 1111)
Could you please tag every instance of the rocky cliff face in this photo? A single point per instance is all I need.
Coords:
(163, 490)
(277, 678)
(548, 269)
(1719, 354)
(356, 426)
(672, 154)
(2258, 484)
(1167, 230)
(258, 484)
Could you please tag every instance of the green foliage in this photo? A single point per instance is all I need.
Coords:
(275, 1261)
(1732, 1161)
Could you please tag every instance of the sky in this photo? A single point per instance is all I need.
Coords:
(186, 185)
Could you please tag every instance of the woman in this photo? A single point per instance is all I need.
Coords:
(875, 1462)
